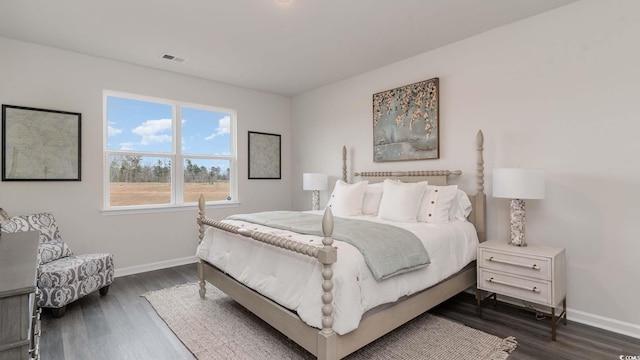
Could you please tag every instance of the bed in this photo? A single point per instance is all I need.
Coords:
(324, 325)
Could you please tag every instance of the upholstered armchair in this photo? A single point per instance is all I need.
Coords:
(62, 276)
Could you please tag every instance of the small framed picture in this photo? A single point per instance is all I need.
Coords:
(264, 156)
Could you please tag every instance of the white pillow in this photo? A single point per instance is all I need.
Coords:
(372, 198)
(346, 199)
(400, 201)
(436, 202)
(460, 206)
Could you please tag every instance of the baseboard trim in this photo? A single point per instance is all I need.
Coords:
(601, 322)
(154, 266)
(605, 323)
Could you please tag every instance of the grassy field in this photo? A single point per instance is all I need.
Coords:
(122, 194)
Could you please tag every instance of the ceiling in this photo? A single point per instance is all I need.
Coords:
(264, 45)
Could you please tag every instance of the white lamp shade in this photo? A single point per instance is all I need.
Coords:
(516, 183)
(315, 181)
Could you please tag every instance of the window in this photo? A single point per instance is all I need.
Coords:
(154, 160)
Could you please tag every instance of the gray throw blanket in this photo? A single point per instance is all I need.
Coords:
(388, 250)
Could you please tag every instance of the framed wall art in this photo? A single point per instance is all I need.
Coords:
(40, 144)
(264, 156)
(406, 122)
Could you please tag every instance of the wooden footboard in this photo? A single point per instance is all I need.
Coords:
(329, 346)
(326, 255)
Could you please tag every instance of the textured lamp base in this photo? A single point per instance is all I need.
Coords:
(315, 200)
(517, 223)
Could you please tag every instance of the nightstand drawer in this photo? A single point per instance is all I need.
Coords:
(518, 264)
(515, 286)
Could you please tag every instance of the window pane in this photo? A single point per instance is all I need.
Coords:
(135, 125)
(206, 176)
(205, 132)
(145, 134)
(139, 180)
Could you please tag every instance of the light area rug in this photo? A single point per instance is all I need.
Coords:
(219, 328)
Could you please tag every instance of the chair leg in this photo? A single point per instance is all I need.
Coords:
(104, 290)
(58, 312)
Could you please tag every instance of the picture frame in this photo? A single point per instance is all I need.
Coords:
(264, 156)
(40, 144)
(406, 122)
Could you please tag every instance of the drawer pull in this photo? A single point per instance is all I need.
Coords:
(534, 289)
(534, 266)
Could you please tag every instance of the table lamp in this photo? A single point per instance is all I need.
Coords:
(315, 182)
(518, 184)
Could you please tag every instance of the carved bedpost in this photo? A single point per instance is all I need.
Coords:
(481, 200)
(201, 216)
(327, 256)
(344, 163)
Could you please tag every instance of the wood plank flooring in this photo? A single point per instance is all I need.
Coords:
(122, 325)
(574, 341)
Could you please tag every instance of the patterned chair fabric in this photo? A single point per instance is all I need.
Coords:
(72, 277)
(62, 276)
(43, 222)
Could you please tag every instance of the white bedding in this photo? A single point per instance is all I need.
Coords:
(271, 271)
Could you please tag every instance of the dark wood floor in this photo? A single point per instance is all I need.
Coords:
(122, 325)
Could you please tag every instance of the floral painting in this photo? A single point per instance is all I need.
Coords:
(405, 122)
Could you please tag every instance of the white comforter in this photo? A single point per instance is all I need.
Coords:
(294, 280)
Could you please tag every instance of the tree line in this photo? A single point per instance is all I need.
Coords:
(128, 168)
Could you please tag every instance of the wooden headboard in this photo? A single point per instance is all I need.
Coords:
(438, 177)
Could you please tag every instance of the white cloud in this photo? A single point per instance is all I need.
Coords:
(224, 127)
(151, 131)
(111, 131)
(148, 139)
(126, 146)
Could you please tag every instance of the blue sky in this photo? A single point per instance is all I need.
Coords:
(144, 126)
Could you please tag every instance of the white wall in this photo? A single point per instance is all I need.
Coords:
(42, 77)
(557, 91)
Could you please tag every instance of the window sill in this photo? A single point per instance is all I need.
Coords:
(164, 208)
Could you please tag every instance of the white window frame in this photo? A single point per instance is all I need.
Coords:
(176, 156)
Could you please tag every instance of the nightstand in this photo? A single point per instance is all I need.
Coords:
(532, 273)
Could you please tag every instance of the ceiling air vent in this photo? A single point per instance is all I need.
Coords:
(173, 58)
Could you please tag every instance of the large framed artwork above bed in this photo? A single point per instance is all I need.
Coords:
(334, 281)
(406, 122)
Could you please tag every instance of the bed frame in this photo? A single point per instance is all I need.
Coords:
(325, 344)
